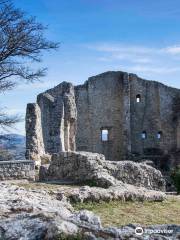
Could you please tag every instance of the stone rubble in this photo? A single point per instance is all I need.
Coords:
(93, 169)
(124, 192)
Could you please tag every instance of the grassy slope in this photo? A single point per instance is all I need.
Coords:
(147, 213)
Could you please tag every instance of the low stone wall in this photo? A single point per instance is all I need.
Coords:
(22, 169)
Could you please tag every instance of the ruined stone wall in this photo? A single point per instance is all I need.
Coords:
(153, 114)
(34, 139)
(10, 170)
(109, 101)
(100, 105)
(106, 101)
(51, 122)
(83, 136)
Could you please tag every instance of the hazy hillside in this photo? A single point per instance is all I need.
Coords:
(14, 143)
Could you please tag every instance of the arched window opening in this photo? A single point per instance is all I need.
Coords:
(159, 135)
(104, 135)
(138, 98)
(144, 135)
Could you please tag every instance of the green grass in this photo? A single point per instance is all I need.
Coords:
(65, 237)
(145, 213)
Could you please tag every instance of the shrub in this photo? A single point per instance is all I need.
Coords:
(5, 155)
(176, 178)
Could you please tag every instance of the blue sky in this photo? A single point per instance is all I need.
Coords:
(137, 36)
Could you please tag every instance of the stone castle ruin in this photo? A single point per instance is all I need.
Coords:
(115, 113)
(51, 122)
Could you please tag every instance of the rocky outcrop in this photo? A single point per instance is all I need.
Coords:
(93, 169)
(80, 167)
(29, 214)
(51, 123)
(124, 192)
(138, 174)
(36, 214)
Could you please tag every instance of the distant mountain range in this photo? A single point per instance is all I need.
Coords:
(14, 144)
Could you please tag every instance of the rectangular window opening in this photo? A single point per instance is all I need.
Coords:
(159, 135)
(104, 135)
(144, 135)
(138, 98)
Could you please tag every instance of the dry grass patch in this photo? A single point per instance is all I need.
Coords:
(49, 187)
(145, 213)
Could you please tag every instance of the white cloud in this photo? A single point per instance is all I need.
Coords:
(172, 50)
(158, 70)
(114, 48)
(135, 54)
(126, 51)
(139, 58)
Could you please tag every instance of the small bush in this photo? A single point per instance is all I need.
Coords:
(176, 178)
(65, 237)
(5, 155)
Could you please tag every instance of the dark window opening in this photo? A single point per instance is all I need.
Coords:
(104, 135)
(144, 135)
(138, 98)
(159, 135)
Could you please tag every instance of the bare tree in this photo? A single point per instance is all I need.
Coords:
(22, 42)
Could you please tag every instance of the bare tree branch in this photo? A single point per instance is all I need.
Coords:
(8, 121)
(22, 42)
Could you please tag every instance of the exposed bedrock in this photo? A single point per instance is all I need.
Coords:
(93, 169)
(38, 214)
(123, 192)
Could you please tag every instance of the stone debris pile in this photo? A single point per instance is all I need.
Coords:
(92, 169)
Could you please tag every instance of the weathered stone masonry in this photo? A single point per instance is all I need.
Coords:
(51, 122)
(139, 116)
(10, 170)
